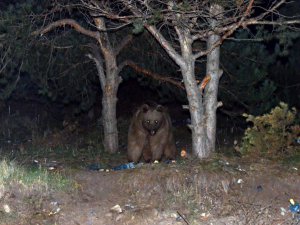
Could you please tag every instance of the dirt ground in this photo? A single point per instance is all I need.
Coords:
(186, 192)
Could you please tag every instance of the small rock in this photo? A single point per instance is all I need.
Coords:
(240, 181)
(173, 215)
(6, 208)
(282, 211)
(119, 217)
(108, 214)
(117, 209)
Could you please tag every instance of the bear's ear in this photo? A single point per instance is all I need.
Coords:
(145, 108)
(160, 108)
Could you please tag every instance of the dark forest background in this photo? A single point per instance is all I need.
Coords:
(53, 73)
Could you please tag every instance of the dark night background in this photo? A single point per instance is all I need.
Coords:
(50, 80)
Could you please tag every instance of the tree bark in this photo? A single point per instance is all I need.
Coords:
(193, 95)
(109, 117)
(110, 81)
(199, 137)
(211, 92)
(102, 53)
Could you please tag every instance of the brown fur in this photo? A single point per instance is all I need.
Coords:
(150, 134)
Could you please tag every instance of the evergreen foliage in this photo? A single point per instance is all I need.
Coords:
(246, 82)
(51, 67)
(248, 63)
(272, 134)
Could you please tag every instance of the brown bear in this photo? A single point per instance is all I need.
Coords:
(150, 134)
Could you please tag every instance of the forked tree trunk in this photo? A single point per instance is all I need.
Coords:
(202, 107)
(102, 53)
(109, 80)
(194, 97)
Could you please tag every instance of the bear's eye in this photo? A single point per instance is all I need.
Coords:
(156, 121)
(147, 121)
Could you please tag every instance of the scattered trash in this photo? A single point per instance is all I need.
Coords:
(6, 208)
(295, 209)
(95, 166)
(223, 162)
(183, 153)
(54, 212)
(156, 162)
(49, 165)
(239, 168)
(259, 188)
(168, 161)
(225, 185)
(117, 209)
(54, 203)
(294, 206)
(295, 168)
(282, 211)
(124, 166)
(240, 181)
(129, 207)
(54, 208)
(205, 215)
(181, 217)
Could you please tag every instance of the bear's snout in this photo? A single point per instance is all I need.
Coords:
(152, 132)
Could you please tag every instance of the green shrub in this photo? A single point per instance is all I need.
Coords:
(272, 134)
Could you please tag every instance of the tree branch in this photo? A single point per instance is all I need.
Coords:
(96, 57)
(228, 33)
(275, 23)
(62, 23)
(166, 45)
(153, 75)
(123, 43)
(158, 36)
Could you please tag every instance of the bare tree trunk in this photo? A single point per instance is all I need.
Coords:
(199, 136)
(109, 80)
(197, 113)
(211, 92)
(109, 117)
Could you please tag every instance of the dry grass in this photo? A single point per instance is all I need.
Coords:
(25, 190)
(190, 191)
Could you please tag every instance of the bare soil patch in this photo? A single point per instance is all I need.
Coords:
(187, 192)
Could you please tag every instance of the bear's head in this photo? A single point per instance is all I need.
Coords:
(152, 117)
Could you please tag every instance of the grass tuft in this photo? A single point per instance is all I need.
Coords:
(37, 179)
